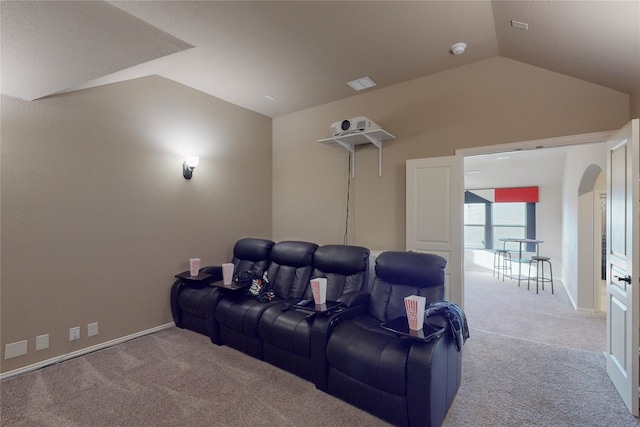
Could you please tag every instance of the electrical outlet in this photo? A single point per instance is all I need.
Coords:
(15, 349)
(42, 342)
(74, 333)
(92, 329)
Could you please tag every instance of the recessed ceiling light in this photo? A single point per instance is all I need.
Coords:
(361, 84)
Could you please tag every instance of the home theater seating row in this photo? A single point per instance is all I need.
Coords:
(343, 351)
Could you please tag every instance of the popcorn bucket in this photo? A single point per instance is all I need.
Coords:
(194, 266)
(415, 311)
(227, 272)
(319, 289)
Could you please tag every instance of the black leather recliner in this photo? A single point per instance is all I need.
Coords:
(237, 316)
(402, 380)
(286, 333)
(193, 303)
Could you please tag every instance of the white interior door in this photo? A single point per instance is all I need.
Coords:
(623, 267)
(435, 198)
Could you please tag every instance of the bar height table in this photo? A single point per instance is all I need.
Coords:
(519, 260)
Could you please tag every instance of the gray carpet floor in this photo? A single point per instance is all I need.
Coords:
(171, 378)
(531, 361)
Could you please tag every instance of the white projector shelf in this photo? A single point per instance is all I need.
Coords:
(349, 142)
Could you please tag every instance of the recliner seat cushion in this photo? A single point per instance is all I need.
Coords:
(289, 331)
(363, 351)
(242, 314)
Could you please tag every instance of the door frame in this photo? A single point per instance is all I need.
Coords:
(534, 144)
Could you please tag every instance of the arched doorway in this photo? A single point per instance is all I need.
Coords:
(591, 220)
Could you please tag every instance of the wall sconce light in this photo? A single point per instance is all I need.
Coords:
(190, 163)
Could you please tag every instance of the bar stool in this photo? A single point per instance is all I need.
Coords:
(501, 263)
(540, 277)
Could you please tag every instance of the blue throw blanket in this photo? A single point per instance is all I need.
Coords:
(456, 318)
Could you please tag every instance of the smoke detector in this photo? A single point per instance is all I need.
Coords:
(458, 48)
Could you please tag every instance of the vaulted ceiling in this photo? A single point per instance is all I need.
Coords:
(279, 57)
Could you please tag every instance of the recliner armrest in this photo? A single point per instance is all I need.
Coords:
(352, 299)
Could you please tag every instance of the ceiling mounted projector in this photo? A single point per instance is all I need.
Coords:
(357, 124)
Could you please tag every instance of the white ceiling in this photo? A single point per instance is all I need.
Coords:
(302, 53)
(525, 168)
(48, 47)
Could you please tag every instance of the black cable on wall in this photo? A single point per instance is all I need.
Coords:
(346, 223)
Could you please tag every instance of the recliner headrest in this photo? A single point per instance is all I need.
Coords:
(292, 253)
(411, 268)
(341, 259)
(252, 249)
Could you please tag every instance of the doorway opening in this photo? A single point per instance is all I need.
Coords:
(483, 290)
(517, 165)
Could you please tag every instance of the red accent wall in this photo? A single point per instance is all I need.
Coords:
(521, 194)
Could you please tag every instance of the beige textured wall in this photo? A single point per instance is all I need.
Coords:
(485, 103)
(96, 216)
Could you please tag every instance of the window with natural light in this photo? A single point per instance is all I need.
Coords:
(474, 225)
(509, 220)
(486, 223)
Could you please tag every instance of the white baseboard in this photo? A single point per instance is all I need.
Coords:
(83, 351)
